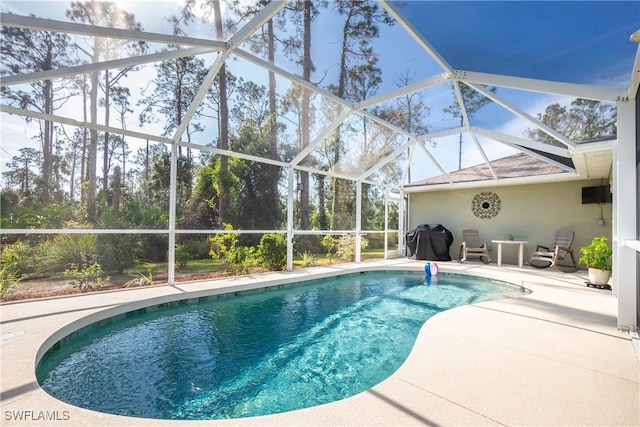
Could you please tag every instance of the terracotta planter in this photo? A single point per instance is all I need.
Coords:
(599, 277)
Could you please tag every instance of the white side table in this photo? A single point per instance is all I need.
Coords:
(520, 243)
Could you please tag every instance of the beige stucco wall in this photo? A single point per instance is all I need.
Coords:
(529, 212)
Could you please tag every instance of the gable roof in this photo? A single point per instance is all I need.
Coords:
(519, 165)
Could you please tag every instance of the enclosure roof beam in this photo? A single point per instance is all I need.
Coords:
(403, 90)
(133, 134)
(231, 153)
(544, 159)
(518, 112)
(526, 146)
(407, 167)
(465, 122)
(300, 81)
(330, 173)
(243, 34)
(267, 12)
(483, 154)
(384, 123)
(321, 137)
(104, 65)
(395, 153)
(197, 99)
(77, 123)
(32, 23)
(290, 76)
(440, 134)
(461, 106)
(435, 162)
(144, 136)
(415, 35)
(596, 93)
(510, 139)
(279, 163)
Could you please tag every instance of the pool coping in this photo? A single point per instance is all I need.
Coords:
(550, 357)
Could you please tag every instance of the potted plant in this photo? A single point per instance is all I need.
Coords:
(596, 256)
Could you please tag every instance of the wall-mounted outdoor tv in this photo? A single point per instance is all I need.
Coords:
(599, 194)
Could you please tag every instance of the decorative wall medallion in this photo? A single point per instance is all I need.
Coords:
(486, 205)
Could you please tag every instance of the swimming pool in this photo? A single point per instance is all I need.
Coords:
(257, 352)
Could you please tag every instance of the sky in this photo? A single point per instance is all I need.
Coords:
(580, 42)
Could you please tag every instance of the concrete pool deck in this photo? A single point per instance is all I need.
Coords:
(552, 357)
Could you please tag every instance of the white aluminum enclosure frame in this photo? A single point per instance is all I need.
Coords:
(623, 207)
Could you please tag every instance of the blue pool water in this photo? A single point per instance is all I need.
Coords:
(258, 352)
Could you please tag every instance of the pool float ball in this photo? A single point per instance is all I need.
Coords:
(430, 280)
(431, 269)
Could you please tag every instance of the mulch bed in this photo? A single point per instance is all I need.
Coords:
(44, 286)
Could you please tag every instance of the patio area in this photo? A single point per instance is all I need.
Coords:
(552, 357)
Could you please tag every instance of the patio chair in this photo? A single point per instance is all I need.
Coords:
(548, 256)
(473, 247)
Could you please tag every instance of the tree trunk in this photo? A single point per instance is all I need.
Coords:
(146, 174)
(223, 140)
(305, 119)
(74, 161)
(47, 143)
(322, 212)
(93, 149)
(105, 158)
(180, 65)
(124, 157)
(83, 158)
(273, 123)
(342, 78)
(117, 190)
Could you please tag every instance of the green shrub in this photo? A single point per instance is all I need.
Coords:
(347, 246)
(226, 247)
(330, 244)
(86, 277)
(141, 279)
(308, 260)
(376, 241)
(69, 249)
(247, 256)
(115, 252)
(272, 251)
(18, 259)
(182, 256)
(197, 246)
(8, 280)
(154, 247)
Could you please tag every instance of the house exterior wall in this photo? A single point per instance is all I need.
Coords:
(529, 212)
